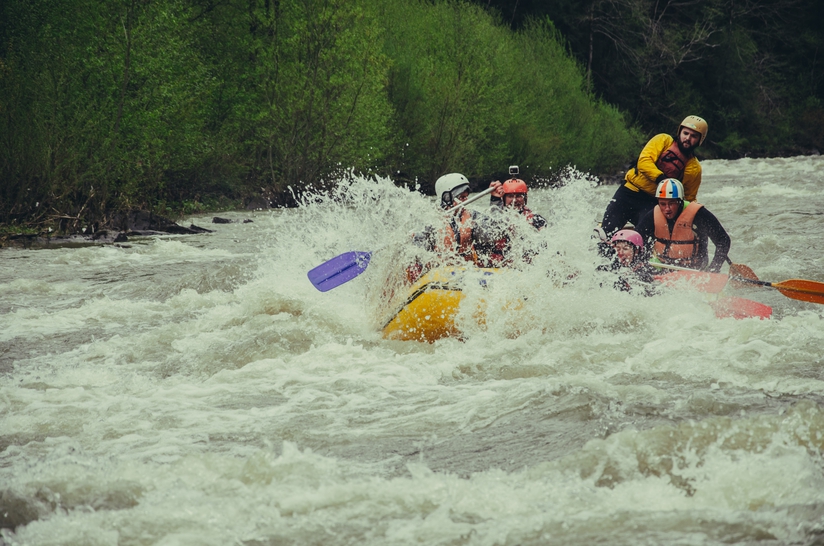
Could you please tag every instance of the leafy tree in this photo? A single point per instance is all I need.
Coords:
(102, 102)
(110, 105)
(471, 97)
(308, 100)
(751, 67)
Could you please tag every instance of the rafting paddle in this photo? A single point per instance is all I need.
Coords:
(740, 271)
(797, 289)
(345, 267)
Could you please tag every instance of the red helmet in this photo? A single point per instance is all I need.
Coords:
(515, 185)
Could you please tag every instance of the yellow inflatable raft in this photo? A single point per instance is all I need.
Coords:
(428, 310)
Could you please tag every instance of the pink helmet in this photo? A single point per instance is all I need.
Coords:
(630, 236)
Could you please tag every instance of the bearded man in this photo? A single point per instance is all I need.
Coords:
(663, 157)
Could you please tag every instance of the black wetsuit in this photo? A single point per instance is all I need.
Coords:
(626, 206)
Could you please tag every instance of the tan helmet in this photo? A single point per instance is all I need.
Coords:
(696, 124)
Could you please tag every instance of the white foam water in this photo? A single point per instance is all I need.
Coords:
(199, 390)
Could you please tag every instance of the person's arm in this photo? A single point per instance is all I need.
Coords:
(496, 198)
(649, 155)
(692, 179)
(707, 224)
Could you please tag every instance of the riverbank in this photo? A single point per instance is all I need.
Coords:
(136, 224)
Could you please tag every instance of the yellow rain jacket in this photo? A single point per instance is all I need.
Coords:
(643, 176)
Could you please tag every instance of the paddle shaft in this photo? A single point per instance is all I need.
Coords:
(797, 289)
(736, 278)
(470, 200)
(753, 281)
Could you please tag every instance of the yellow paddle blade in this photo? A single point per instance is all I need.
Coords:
(803, 290)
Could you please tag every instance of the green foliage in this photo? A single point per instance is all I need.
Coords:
(470, 96)
(748, 67)
(553, 121)
(447, 95)
(312, 101)
(102, 106)
(173, 105)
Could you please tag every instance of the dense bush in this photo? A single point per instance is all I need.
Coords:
(471, 96)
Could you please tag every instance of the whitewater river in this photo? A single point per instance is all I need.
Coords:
(197, 390)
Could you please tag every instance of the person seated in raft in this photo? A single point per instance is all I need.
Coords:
(662, 157)
(497, 234)
(513, 194)
(457, 239)
(678, 230)
(630, 262)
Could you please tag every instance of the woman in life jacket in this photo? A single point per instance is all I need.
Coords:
(630, 263)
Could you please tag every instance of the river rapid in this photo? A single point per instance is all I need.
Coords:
(198, 390)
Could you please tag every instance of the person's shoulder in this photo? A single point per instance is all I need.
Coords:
(703, 212)
(662, 138)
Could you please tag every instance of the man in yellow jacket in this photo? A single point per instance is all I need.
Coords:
(662, 157)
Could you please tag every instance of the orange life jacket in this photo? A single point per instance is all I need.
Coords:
(672, 162)
(679, 247)
(450, 240)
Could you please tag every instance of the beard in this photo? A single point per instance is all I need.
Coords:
(685, 147)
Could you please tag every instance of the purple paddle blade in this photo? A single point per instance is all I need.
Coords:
(338, 270)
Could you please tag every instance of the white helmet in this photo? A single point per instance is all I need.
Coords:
(448, 186)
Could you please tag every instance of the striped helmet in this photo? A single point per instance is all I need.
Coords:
(670, 188)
